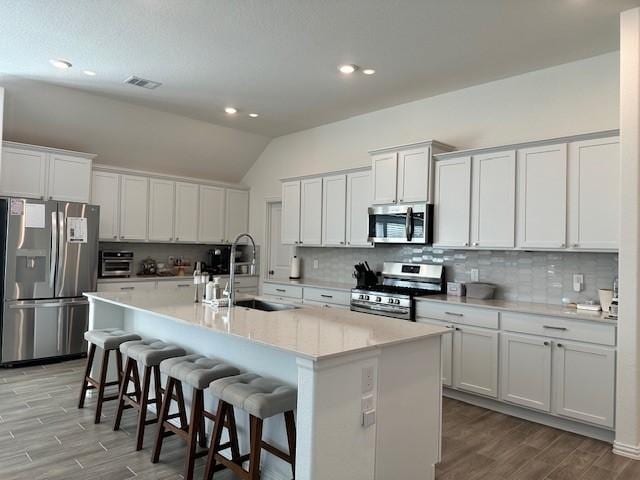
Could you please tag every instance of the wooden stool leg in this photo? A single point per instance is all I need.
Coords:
(194, 428)
(142, 414)
(119, 365)
(103, 380)
(162, 417)
(216, 435)
(124, 385)
(182, 411)
(233, 432)
(290, 424)
(157, 386)
(256, 447)
(87, 373)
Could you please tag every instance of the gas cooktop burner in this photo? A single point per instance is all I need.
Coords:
(395, 290)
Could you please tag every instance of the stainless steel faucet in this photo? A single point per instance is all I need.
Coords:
(232, 266)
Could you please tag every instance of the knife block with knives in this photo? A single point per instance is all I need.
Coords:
(364, 275)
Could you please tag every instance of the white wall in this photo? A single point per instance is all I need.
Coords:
(125, 135)
(573, 98)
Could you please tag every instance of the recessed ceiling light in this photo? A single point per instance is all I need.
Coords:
(347, 69)
(91, 73)
(230, 110)
(368, 71)
(253, 115)
(59, 63)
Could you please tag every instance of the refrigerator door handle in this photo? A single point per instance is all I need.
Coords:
(61, 255)
(44, 304)
(54, 249)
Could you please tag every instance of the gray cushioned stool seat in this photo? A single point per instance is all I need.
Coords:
(197, 370)
(109, 338)
(150, 351)
(256, 395)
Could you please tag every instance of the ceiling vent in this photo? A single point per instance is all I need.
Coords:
(141, 82)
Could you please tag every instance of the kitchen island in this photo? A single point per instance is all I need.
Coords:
(344, 364)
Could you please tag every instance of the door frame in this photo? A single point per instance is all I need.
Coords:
(268, 203)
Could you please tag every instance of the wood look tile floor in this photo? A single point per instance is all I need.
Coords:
(43, 435)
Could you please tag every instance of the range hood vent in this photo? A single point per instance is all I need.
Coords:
(142, 82)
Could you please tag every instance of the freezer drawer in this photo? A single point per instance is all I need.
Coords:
(43, 329)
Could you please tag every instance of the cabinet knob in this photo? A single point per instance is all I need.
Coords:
(122, 237)
(576, 245)
(300, 241)
(466, 244)
(41, 197)
(348, 243)
(562, 245)
(559, 345)
(475, 244)
(546, 344)
(115, 237)
(402, 199)
(50, 197)
(341, 243)
(177, 238)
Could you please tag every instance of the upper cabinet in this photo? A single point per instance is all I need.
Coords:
(311, 211)
(291, 212)
(404, 174)
(334, 210)
(358, 202)
(212, 208)
(452, 202)
(237, 213)
(542, 196)
(134, 201)
(594, 180)
(187, 212)
(105, 192)
(44, 173)
(161, 209)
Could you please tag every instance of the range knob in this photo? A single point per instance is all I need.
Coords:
(367, 297)
(360, 297)
(390, 300)
(397, 302)
(378, 299)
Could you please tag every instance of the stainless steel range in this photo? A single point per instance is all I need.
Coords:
(401, 283)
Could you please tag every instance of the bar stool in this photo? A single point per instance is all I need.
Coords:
(198, 372)
(109, 339)
(150, 352)
(261, 398)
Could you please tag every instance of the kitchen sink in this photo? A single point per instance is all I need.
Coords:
(264, 306)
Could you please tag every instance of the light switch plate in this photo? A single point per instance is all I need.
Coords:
(368, 418)
(474, 275)
(316, 263)
(578, 282)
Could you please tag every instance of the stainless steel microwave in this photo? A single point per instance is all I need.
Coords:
(401, 224)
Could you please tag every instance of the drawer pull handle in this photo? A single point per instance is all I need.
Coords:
(182, 285)
(550, 327)
(454, 314)
(326, 296)
(280, 290)
(127, 288)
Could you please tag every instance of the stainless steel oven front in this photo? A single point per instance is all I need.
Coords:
(401, 224)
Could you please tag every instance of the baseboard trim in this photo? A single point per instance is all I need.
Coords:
(533, 416)
(629, 451)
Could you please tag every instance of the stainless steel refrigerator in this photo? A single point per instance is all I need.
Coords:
(50, 258)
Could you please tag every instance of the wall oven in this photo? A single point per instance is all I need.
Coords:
(401, 224)
(115, 264)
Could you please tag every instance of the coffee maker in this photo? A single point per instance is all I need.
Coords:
(219, 258)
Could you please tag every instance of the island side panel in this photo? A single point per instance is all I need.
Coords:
(409, 411)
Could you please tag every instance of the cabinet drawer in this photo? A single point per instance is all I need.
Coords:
(324, 304)
(245, 282)
(279, 298)
(291, 291)
(336, 297)
(126, 286)
(478, 317)
(186, 283)
(566, 329)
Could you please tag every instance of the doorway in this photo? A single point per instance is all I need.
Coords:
(278, 255)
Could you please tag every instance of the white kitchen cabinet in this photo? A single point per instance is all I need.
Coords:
(134, 207)
(584, 382)
(358, 202)
(161, 209)
(414, 175)
(384, 177)
(23, 173)
(212, 214)
(446, 349)
(181, 283)
(493, 200)
(105, 192)
(526, 370)
(187, 212)
(69, 178)
(311, 211)
(237, 213)
(452, 202)
(542, 197)
(475, 360)
(594, 183)
(334, 210)
(126, 286)
(291, 212)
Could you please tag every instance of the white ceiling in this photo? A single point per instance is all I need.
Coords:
(279, 57)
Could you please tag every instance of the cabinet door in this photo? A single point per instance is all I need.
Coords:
(358, 202)
(311, 211)
(452, 202)
(493, 204)
(161, 209)
(475, 360)
(187, 212)
(105, 192)
(584, 382)
(237, 213)
(526, 371)
(414, 175)
(290, 213)
(212, 208)
(334, 210)
(594, 183)
(385, 175)
(446, 350)
(134, 201)
(69, 178)
(23, 173)
(542, 197)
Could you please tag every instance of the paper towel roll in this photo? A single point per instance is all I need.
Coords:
(295, 268)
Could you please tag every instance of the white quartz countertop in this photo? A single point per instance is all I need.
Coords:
(312, 283)
(311, 332)
(161, 278)
(522, 307)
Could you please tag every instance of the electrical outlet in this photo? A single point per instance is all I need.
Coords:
(367, 403)
(578, 282)
(316, 263)
(474, 275)
(367, 379)
(368, 418)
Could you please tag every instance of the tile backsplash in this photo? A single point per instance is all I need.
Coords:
(540, 277)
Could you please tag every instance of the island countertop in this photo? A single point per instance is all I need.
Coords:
(311, 332)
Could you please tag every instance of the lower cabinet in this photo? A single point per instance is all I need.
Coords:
(475, 360)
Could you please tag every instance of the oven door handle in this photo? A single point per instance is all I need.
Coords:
(408, 224)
